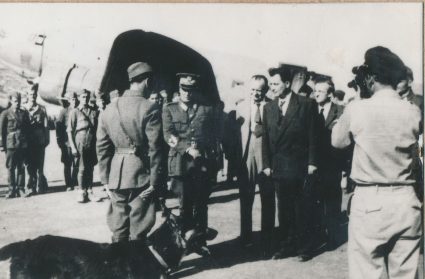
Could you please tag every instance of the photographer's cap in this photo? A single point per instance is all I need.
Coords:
(385, 64)
(138, 69)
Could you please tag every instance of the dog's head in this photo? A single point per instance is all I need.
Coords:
(168, 241)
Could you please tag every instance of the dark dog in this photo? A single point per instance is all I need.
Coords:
(60, 257)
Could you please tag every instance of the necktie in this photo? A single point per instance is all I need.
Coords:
(257, 117)
(322, 116)
(258, 130)
(281, 104)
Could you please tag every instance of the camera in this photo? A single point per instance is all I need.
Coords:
(359, 81)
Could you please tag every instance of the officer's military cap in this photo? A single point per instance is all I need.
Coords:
(184, 74)
(188, 84)
(386, 65)
(137, 69)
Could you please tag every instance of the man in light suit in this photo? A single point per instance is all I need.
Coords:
(250, 160)
(289, 156)
(129, 149)
(331, 160)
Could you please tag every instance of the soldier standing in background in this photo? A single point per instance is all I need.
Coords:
(70, 166)
(81, 130)
(129, 149)
(190, 131)
(38, 139)
(14, 125)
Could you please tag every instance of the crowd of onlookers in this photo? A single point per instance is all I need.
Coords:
(292, 135)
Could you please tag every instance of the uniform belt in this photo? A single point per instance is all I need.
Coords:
(125, 150)
(382, 185)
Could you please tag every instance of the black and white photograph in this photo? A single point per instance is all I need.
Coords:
(211, 140)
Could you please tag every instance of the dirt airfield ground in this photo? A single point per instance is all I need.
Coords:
(58, 213)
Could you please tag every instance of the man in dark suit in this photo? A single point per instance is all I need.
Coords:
(289, 154)
(250, 163)
(190, 130)
(331, 163)
(129, 150)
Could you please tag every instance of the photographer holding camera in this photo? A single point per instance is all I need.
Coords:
(385, 217)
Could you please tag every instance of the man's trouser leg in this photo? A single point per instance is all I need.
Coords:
(286, 203)
(31, 169)
(268, 205)
(117, 216)
(202, 187)
(42, 181)
(11, 165)
(246, 197)
(67, 166)
(184, 194)
(142, 215)
(385, 222)
(332, 199)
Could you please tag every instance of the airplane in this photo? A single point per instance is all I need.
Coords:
(101, 71)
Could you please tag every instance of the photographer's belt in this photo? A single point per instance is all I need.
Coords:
(381, 185)
(125, 150)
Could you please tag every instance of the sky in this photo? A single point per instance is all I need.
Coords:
(327, 38)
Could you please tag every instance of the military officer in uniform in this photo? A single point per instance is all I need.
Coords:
(129, 148)
(190, 131)
(38, 139)
(14, 125)
(70, 166)
(82, 125)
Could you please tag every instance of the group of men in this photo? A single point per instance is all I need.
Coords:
(25, 129)
(284, 145)
(298, 149)
(295, 144)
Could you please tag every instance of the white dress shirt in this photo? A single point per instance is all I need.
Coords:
(326, 107)
(283, 103)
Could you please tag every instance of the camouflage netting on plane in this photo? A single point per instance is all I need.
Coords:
(166, 55)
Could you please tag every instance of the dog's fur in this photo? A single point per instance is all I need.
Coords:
(60, 257)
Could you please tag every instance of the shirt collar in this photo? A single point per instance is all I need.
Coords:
(186, 107)
(132, 93)
(325, 106)
(286, 99)
(386, 93)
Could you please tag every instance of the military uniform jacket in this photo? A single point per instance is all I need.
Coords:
(199, 126)
(82, 126)
(119, 166)
(14, 127)
(38, 134)
(290, 142)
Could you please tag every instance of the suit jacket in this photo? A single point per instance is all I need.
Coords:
(119, 167)
(243, 120)
(290, 142)
(330, 158)
(14, 127)
(201, 128)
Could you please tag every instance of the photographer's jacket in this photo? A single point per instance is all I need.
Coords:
(188, 124)
(385, 129)
(121, 165)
